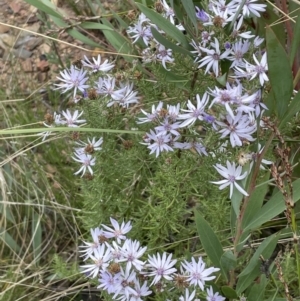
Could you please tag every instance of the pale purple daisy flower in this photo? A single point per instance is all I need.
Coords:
(131, 252)
(238, 50)
(161, 267)
(109, 282)
(238, 128)
(153, 116)
(89, 247)
(72, 120)
(158, 142)
(196, 272)
(126, 96)
(173, 112)
(260, 69)
(250, 7)
(232, 174)
(101, 257)
(90, 146)
(73, 78)
(140, 31)
(140, 291)
(125, 290)
(118, 231)
(87, 162)
(168, 127)
(194, 113)
(169, 12)
(211, 296)
(165, 55)
(213, 57)
(96, 64)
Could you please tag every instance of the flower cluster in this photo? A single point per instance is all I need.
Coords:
(104, 87)
(125, 273)
(232, 111)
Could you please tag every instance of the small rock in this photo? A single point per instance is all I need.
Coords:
(33, 43)
(27, 65)
(4, 28)
(44, 48)
(22, 53)
(7, 39)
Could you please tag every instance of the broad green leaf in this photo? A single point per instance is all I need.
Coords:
(228, 263)
(79, 36)
(229, 292)
(45, 6)
(293, 109)
(162, 40)
(165, 25)
(279, 71)
(119, 42)
(122, 23)
(296, 41)
(36, 230)
(267, 18)
(252, 270)
(257, 291)
(209, 240)
(5, 212)
(94, 25)
(8, 240)
(265, 249)
(189, 7)
(273, 207)
(255, 201)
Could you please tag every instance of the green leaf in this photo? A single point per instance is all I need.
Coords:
(119, 42)
(228, 262)
(280, 73)
(252, 270)
(8, 240)
(36, 230)
(45, 6)
(162, 40)
(79, 36)
(296, 41)
(189, 7)
(94, 25)
(165, 25)
(255, 201)
(293, 108)
(273, 207)
(229, 292)
(257, 291)
(267, 18)
(209, 240)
